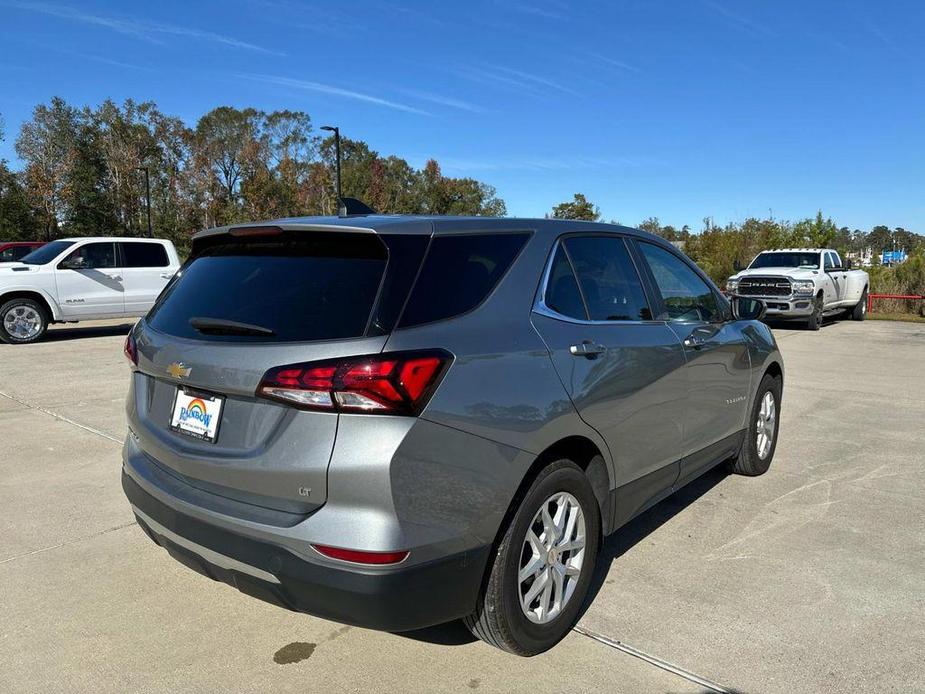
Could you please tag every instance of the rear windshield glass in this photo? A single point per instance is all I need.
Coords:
(458, 274)
(47, 253)
(293, 287)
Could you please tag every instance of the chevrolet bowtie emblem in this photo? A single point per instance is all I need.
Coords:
(178, 370)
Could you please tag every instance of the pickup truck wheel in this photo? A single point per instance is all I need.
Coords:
(22, 321)
(815, 318)
(761, 434)
(543, 565)
(860, 309)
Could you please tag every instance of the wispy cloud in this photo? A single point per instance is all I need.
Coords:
(741, 21)
(556, 163)
(152, 32)
(546, 10)
(537, 79)
(612, 62)
(443, 100)
(95, 58)
(307, 85)
(509, 78)
(883, 36)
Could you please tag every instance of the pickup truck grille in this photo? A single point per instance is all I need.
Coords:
(764, 286)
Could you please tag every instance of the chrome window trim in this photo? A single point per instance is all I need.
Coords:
(540, 306)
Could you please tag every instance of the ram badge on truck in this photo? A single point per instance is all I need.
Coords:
(803, 284)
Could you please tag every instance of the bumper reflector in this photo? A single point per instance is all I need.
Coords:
(359, 557)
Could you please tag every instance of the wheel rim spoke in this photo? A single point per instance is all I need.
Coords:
(765, 425)
(552, 557)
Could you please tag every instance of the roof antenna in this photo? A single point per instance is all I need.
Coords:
(346, 207)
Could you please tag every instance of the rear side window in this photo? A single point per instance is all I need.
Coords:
(138, 254)
(609, 282)
(459, 272)
(302, 287)
(562, 293)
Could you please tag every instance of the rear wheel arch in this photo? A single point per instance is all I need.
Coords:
(586, 455)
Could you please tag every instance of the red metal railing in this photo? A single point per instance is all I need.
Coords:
(871, 297)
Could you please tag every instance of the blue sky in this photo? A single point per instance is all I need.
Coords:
(676, 109)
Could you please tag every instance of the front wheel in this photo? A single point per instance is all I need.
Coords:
(22, 321)
(761, 434)
(542, 569)
(815, 318)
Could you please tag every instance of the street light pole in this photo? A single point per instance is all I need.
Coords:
(336, 132)
(147, 195)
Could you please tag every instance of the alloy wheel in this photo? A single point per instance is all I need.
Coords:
(22, 322)
(551, 558)
(766, 425)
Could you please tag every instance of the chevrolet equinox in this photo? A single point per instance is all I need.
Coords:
(395, 421)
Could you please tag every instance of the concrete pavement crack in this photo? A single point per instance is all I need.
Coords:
(61, 417)
(69, 542)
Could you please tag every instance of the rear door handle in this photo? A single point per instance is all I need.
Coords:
(587, 348)
(693, 342)
(166, 275)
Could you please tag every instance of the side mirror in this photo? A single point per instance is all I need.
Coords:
(847, 264)
(736, 265)
(73, 263)
(747, 308)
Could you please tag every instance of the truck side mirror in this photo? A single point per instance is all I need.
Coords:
(75, 262)
(747, 308)
(847, 263)
(736, 265)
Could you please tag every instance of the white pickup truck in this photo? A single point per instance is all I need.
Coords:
(803, 283)
(77, 279)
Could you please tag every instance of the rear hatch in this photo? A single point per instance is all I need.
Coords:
(247, 302)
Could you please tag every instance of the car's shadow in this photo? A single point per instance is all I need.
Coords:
(613, 547)
(60, 334)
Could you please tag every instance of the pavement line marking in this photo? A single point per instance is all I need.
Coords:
(653, 660)
(64, 544)
(41, 409)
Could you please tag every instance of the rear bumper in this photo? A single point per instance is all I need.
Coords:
(394, 599)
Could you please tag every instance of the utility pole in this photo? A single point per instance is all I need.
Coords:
(147, 195)
(331, 128)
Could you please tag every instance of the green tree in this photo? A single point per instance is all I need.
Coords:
(578, 208)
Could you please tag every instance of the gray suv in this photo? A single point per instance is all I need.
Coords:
(396, 421)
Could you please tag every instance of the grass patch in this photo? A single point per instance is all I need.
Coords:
(906, 317)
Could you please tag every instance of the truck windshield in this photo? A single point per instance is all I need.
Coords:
(46, 253)
(807, 260)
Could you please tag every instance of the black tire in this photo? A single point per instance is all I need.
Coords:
(749, 462)
(859, 312)
(815, 319)
(26, 305)
(499, 618)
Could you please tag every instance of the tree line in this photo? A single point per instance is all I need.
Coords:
(83, 173)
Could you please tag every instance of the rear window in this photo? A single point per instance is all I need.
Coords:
(459, 272)
(140, 254)
(301, 286)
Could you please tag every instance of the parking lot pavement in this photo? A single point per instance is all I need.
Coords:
(808, 579)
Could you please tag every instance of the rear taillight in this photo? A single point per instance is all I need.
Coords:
(391, 383)
(130, 351)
